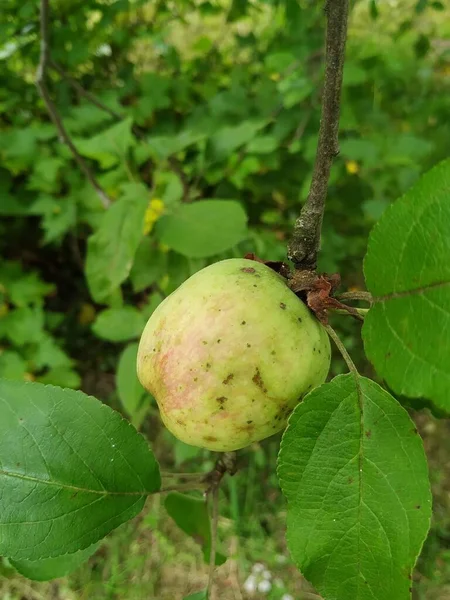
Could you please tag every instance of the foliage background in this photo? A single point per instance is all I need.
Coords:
(214, 101)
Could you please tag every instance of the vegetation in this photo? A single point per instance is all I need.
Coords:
(195, 127)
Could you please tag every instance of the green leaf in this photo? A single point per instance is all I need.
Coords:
(110, 146)
(407, 331)
(161, 147)
(373, 9)
(153, 302)
(354, 473)
(23, 288)
(230, 138)
(48, 354)
(363, 150)
(12, 365)
(10, 206)
(119, 324)
(85, 118)
(71, 471)
(238, 10)
(24, 325)
(7, 571)
(191, 515)
(19, 146)
(45, 174)
(111, 249)
(61, 376)
(149, 265)
(183, 452)
(197, 596)
(129, 388)
(57, 222)
(52, 568)
(204, 228)
(263, 144)
(155, 95)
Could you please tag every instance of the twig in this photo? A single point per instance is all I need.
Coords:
(82, 92)
(359, 295)
(305, 242)
(41, 84)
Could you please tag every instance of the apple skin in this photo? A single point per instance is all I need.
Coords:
(229, 354)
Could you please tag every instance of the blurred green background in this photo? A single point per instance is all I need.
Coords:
(172, 103)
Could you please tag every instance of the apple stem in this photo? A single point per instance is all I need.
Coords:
(346, 356)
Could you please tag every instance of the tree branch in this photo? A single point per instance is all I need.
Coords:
(305, 242)
(41, 76)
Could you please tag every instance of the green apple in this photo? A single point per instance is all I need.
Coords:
(230, 353)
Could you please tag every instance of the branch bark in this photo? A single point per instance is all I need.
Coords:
(41, 83)
(304, 245)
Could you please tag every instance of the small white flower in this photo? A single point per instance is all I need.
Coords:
(287, 597)
(264, 586)
(258, 568)
(250, 584)
(280, 558)
(266, 574)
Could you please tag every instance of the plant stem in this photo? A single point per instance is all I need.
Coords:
(41, 83)
(183, 487)
(305, 242)
(212, 554)
(346, 356)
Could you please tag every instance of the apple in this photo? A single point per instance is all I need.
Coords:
(230, 353)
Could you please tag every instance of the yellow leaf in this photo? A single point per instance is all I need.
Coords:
(352, 167)
(154, 211)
